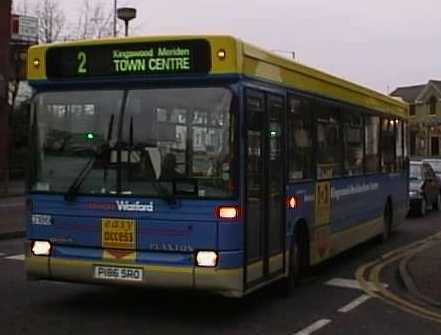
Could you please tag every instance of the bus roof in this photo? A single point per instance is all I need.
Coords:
(249, 60)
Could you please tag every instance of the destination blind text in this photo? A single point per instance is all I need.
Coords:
(152, 60)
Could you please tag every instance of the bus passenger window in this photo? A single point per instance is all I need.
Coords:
(388, 145)
(299, 139)
(399, 149)
(371, 138)
(353, 139)
(328, 145)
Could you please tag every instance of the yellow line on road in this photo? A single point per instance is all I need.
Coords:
(373, 270)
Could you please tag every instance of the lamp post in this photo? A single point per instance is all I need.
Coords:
(126, 14)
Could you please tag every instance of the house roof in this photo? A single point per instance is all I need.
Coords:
(408, 93)
(411, 93)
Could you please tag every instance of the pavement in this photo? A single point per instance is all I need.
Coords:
(421, 274)
(12, 210)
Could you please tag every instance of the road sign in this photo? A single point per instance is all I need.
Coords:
(24, 28)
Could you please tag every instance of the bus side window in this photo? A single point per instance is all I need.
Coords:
(406, 144)
(387, 145)
(329, 148)
(299, 139)
(399, 146)
(372, 133)
(353, 143)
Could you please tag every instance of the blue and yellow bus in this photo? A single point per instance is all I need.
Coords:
(202, 162)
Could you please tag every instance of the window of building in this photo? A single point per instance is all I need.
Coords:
(329, 148)
(300, 152)
(412, 110)
(371, 135)
(353, 144)
(388, 145)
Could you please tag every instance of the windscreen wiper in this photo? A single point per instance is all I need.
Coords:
(76, 184)
(164, 193)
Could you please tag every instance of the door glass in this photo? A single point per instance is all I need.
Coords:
(255, 176)
(275, 106)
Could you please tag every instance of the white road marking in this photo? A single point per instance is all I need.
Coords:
(350, 283)
(355, 303)
(313, 327)
(16, 257)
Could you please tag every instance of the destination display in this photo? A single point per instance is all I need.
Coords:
(129, 59)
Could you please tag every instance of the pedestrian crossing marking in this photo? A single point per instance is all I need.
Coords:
(350, 283)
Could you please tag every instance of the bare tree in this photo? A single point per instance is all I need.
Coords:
(51, 20)
(95, 20)
(20, 7)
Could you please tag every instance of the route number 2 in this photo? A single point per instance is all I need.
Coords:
(82, 58)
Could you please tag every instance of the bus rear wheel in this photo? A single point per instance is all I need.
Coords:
(387, 221)
(294, 267)
(437, 202)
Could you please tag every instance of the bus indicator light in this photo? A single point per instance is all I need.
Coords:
(36, 63)
(228, 212)
(292, 202)
(221, 54)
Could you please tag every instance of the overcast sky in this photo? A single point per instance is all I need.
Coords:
(381, 44)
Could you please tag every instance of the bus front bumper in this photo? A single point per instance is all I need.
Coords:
(227, 282)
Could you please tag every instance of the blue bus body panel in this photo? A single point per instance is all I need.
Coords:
(354, 200)
(168, 235)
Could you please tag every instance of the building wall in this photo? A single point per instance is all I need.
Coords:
(5, 15)
(426, 127)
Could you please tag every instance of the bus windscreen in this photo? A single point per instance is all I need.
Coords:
(173, 142)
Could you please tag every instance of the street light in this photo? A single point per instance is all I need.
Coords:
(126, 14)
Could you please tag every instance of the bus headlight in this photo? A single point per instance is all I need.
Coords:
(41, 248)
(206, 259)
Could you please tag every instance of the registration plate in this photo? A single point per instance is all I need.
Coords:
(118, 273)
(118, 233)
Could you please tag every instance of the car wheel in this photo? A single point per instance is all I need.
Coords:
(437, 203)
(423, 207)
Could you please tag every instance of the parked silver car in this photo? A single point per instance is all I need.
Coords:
(424, 188)
(435, 163)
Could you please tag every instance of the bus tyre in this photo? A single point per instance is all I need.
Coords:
(423, 207)
(387, 222)
(289, 283)
(437, 203)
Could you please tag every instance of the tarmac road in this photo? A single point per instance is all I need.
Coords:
(329, 301)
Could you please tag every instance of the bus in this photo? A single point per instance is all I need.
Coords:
(202, 163)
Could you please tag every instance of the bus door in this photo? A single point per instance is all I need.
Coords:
(264, 194)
